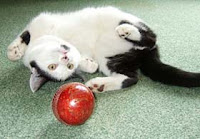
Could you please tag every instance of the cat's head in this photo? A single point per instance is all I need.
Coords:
(50, 58)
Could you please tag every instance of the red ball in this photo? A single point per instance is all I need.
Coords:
(73, 103)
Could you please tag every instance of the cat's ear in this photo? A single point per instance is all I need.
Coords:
(36, 81)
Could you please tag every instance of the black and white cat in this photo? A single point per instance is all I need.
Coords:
(56, 46)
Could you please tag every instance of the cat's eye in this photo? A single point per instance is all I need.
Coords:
(70, 66)
(52, 66)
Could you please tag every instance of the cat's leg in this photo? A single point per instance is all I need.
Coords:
(88, 65)
(17, 48)
(139, 34)
(114, 82)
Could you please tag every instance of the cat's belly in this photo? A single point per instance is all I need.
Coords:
(97, 41)
(109, 46)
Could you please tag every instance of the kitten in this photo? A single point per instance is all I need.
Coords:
(56, 46)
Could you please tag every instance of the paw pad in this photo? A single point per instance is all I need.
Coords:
(96, 88)
(101, 88)
(95, 85)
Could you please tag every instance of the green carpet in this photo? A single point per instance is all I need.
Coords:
(146, 110)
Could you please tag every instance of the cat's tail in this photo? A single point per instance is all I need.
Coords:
(158, 71)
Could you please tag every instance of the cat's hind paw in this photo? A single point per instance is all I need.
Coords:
(16, 50)
(128, 31)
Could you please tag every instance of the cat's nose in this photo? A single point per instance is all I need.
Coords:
(65, 59)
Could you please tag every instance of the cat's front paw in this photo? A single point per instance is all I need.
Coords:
(96, 85)
(128, 31)
(16, 50)
(88, 65)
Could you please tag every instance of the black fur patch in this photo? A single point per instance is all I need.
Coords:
(26, 37)
(65, 47)
(148, 36)
(125, 22)
(42, 72)
(129, 82)
(127, 63)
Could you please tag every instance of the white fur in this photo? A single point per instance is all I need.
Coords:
(94, 32)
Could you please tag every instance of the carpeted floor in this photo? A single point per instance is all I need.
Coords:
(146, 110)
